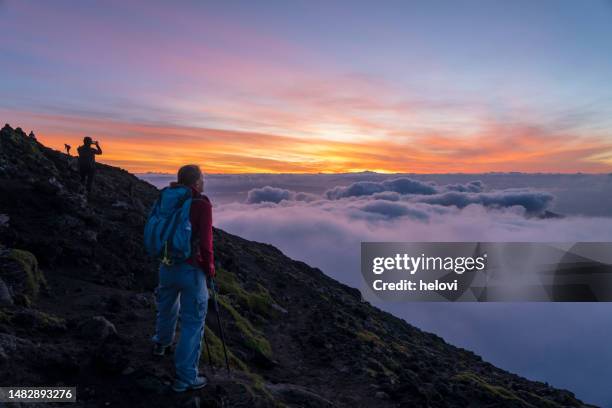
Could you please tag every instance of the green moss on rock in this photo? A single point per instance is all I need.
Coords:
(257, 386)
(492, 390)
(34, 278)
(216, 352)
(369, 337)
(50, 322)
(253, 338)
(259, 302)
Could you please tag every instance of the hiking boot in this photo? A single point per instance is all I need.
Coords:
(159, 350)
(180, 386)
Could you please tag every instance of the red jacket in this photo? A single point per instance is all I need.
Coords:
(201, 226)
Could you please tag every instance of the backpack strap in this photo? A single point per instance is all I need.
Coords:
(195, 237)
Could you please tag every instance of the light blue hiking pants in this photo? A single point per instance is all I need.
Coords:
(182, 291)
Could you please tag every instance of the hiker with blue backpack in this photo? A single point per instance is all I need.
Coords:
(179, 232)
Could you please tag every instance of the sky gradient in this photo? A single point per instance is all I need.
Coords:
(425, 87)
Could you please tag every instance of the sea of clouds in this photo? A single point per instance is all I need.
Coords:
(322, 219)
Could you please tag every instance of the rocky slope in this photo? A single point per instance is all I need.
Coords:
(76, 308)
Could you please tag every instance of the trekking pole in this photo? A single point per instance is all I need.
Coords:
(214, 291)
(212, 367)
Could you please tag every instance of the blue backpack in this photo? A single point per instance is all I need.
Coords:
(167, 233)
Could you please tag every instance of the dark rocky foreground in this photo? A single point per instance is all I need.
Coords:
(76, 308)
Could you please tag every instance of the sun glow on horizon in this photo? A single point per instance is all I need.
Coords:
(145, 148)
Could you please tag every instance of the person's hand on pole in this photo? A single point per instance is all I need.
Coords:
(211, 270)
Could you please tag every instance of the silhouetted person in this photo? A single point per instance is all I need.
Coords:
(67, 147)
(87, 161)
(32, 135)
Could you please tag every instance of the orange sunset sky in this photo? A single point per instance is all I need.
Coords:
(304, 89)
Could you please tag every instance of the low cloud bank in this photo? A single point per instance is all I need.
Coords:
(407, 193)
(276, 195)
(400, 185)
(534, 202)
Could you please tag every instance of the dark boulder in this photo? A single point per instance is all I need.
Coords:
(97, 328)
